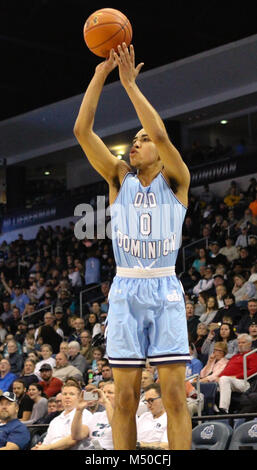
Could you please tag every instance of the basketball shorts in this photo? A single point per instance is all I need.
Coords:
(146, 319)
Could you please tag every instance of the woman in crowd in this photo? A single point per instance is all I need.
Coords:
(201, 260)
(211, 311)
(27, 374)
(93, 325)
(202, 332)
(226, 334)
(40, 407)
(242, 290)
(229, 310)
(215, 364)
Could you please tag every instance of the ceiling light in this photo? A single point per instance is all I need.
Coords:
(223, 121)
(47, 173)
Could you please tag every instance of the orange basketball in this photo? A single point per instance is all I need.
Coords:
(105, 29)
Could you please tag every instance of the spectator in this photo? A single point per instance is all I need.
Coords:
(92, 269)
(14, 434)
(24, 401)
(221, 291)
(211, 311)
(99, 425)
(215, 256)
(207, 196)
(201, 304)
(225, 334)
(248, 317)
(253, 333)
(49, 320)
(79, 326)
(61, 322)
(14, 357)
(206, 282)
(18, 298)
(202, 259)
(52, 412)
(93, 406)
(64, 347)
(7, 311)
(195, 366)
(47, 358)
(51, 385)
(3, 331)
(229, 250)
(63, 369)
(215, 364)
(93, 324)
(201, 335)
(230, 309)
(152, 425)
(75, 358)
(147, 378)
(6, 376)
(242, 290)
(192, 320)
(21, 332)
(39, 410)
(58, 435)
(27, 375)
(86, 348)
(232, 377)
(48, 333)
(253, 207)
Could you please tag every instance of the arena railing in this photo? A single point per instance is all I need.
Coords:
(186, 247)
(39, 313)
(92, 299)
(245, 365)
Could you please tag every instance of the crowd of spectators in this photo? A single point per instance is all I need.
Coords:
(47, 337)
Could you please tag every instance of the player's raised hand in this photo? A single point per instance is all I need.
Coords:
(107, 65)
(125, 59)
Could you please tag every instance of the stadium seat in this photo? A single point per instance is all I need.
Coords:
(244, 437)
(211, 435)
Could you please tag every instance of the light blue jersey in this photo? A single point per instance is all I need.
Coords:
(146, 224)
(146, 317)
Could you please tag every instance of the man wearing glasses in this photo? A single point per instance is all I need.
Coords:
(152, 425)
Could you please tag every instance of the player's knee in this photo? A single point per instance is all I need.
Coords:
(127, 399)
(174, 397)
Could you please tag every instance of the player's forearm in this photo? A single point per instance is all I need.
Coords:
(86, 116)
(148, 116)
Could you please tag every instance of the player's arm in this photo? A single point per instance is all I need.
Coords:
(174, 166)
(96, 151)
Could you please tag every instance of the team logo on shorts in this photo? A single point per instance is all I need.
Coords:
(174, 296)
(207, 432)
(253, 431)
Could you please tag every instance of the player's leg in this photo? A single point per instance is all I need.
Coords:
(127, 394)
(179, 428)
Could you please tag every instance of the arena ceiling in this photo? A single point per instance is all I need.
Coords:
(44, 58)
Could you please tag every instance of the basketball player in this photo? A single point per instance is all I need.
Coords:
(146, 308)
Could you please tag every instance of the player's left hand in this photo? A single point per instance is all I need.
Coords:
(126, 63)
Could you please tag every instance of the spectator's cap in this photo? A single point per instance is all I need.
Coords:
(32, 275)
(214, 242)
(8, 395)
(253, 323)
(58, 310)
(253, 278)
(252, 236)
(17, 286)
(31, 326)
(22, 322)
(218, 275)
(45, 367)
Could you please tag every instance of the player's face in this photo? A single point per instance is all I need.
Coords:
(143, 151)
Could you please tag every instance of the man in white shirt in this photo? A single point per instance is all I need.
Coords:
(152, 425)
(58, 436)
(206, 282)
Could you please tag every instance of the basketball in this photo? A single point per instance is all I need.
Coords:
(105, 29)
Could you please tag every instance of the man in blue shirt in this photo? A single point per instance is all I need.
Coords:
(14, 435)
(6, 377)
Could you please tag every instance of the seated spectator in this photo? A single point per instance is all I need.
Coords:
(202, 259)
(195, 366)
(48, 333)
(147, 378)
(232, 377)
(245, 260)
(201, 304)
(6, 376)
(24, 401)
(215, 364)
(14, 434)
(14, 357)
(27, 375)
(7, 311)
(75, 358)
(201, 335)
(230, 309)
(3, 331)
(86, 348)
(79, 326)
(100, 338)
(192, 320)
(29, 344)
(93, 325)
(64, 347)
(52, 411)
(152, 425)
(61, 321)
(94, 406)
(242, 290)
(215, 256)
(18, 298)
(192, 399)
(226, 334)
(211, 310)
(191, 277)
(230, 250)
(221, 291)
(47, 358)
(39, 410)
(64, 369)
(206, 282)
(253, 333)
(51, 385)
(21, 332)
(243, 238)
(248, 317)
(58, 435)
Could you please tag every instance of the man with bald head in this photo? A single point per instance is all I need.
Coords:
(63, 369)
